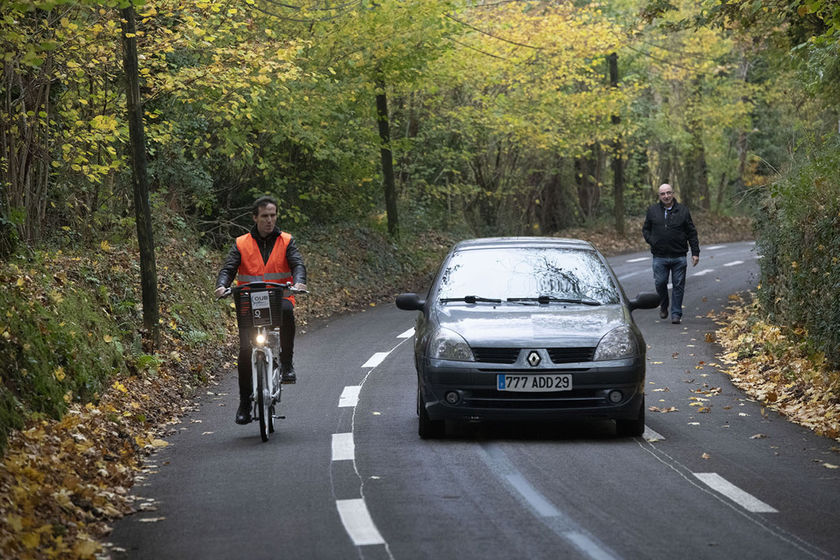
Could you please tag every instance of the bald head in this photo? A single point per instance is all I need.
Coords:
(666, 194)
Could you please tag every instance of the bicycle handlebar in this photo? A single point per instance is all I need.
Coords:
(267, 285)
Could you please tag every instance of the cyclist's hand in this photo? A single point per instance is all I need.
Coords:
(220, 291)
(300, 287)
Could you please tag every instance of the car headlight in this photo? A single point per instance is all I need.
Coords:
(449, 345)
(617, 344)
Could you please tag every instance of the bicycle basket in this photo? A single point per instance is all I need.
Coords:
(258, 308)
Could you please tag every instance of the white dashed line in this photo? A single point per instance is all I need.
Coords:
(407, 334)
(704, 272)
(349, 396)
(343, 448)
(358, 522)
(743, 499)
(642, 259)
(376, 359)
(734, 263)
(713, 247)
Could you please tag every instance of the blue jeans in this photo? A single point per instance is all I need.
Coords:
(676, 266)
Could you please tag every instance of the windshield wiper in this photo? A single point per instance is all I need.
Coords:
(552, 299)
(471, 299)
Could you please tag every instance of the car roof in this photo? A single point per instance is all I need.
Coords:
(499, 242)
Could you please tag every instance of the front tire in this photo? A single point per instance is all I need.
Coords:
(426, 427)
(263, 399)
(634, 427)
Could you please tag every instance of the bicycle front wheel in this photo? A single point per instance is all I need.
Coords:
(263, 398)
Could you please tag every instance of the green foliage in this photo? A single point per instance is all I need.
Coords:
(798, 239)
(56, 345)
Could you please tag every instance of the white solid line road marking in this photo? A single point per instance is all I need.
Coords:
(343, 448)
(407, 334)
(349, 396)
(358, 522)
(734, 263)
(376, 359)
(745, 500)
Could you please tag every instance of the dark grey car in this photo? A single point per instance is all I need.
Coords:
(527, 328)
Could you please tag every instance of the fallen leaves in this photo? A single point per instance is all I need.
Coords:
(64, 482)
(774, 366)
(663, 410)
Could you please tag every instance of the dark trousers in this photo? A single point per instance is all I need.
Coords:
(287, 341)
(676, 268)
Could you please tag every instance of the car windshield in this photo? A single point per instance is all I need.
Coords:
(527, 275)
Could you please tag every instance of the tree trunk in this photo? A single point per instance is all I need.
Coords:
(387, 158)
(145, 237)
(617, 164)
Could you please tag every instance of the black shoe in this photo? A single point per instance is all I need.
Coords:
(676, 319)
(243, 413)
(289, 376)
(663, 312)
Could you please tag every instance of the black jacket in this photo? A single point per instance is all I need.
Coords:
(670, 237)
(266, 244)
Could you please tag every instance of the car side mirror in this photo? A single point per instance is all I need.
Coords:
(410, 302)
(646, 300)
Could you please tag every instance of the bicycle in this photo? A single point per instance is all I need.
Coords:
(258, 306)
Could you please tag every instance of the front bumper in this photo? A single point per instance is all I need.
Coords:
(478, 398)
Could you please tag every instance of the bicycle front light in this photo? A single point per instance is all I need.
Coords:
(260, 339)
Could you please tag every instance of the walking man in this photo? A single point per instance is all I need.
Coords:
(670, 232)
(264, 254)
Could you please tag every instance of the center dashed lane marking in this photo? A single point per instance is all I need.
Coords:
(343, 447)
(375, 360)
(354, 513)
(349, 396)
(407, 334)
(358, 522)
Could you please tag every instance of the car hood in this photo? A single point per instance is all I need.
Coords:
(544, 325)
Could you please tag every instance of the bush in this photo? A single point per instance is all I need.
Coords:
(798, 235)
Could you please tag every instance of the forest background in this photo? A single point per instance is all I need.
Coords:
(387, 130)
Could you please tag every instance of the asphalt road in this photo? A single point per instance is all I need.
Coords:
(346, 476)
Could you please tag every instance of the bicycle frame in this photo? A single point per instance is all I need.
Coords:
(265, 378)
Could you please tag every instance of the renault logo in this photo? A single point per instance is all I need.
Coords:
(533, 358)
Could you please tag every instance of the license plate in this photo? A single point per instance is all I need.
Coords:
(534, 383)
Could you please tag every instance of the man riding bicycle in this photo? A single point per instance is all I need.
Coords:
(264, 254)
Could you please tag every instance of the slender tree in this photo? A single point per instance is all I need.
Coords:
(387, 157)
(145, 237)
(617, 164)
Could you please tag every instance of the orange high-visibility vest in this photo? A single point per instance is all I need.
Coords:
(253, 269)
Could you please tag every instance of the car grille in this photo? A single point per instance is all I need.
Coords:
(578, 398)
(558, 355)
(496, 355)
(571, 355)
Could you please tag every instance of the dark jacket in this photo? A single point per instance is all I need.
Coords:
(266, 244)
(671, 236)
